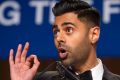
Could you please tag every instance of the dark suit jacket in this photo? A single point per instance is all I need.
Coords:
(52, 75)
(109, 75)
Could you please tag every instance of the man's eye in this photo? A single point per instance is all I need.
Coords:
(56, 32)
(69, 30)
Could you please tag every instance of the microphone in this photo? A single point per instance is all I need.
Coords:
(45, 70)
(62, 70)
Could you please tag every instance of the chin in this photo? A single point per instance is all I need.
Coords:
(67, 62)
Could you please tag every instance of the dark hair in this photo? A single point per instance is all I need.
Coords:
(85, 12)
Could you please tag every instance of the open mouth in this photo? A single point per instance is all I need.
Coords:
(61, 50)
(62, 53)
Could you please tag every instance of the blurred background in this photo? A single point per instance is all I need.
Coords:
(31, 21)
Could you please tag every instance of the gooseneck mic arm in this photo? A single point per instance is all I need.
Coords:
(63, 70)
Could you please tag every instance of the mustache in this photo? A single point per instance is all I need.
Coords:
(64, 46)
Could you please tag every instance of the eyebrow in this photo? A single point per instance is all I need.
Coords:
(63, 24)
(68, 23)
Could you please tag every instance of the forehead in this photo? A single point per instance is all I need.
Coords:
(67, 17)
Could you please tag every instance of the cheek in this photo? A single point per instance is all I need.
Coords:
(75, 40)
(80, 50)
(79, 44)
(55, 42)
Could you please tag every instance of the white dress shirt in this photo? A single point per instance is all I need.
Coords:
(97, 71)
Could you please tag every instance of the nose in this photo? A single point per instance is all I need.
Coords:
(60, 37)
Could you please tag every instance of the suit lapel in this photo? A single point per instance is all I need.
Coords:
(107, 74)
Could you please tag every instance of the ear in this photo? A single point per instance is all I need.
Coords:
(94, 34)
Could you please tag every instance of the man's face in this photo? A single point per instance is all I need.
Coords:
(71, 38)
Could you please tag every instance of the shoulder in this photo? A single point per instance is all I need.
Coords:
(45, 76)
(109, 75)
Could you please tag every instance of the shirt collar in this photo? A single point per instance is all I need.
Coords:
(97, 71)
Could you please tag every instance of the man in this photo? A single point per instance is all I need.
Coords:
(76, 32)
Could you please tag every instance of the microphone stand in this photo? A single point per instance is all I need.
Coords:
(62, 70)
